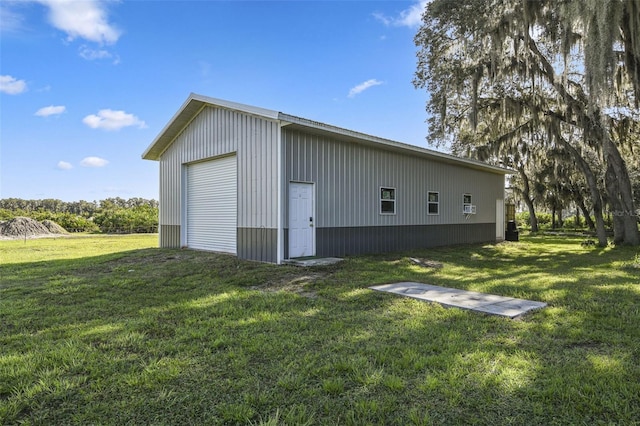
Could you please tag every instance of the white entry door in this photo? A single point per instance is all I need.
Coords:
(302, 235)
(500, 219)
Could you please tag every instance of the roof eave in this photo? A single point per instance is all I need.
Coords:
(170, 131)
(394, 145)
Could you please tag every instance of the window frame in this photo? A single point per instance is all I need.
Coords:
(464, 201)
(387, 200)
(436, 203)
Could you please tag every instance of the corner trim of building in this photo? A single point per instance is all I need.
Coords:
(279, 196)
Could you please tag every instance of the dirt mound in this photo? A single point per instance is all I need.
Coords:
(23, 226)
(53, 227)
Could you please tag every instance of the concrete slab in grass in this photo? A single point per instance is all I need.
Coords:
(481, 302)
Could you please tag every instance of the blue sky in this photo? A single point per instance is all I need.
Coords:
(85, 86)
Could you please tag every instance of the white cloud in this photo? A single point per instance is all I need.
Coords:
(410, 17)
(108, 119)
(363, 86)
(93, 162)
(86, 19)
(50, 110)
(10, 22)
(90, 54)
(63, 165)
(11, 85)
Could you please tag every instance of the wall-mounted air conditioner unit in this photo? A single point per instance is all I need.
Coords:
(469, 209)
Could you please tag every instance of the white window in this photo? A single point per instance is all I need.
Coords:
(387, 200)
(433, 202)
(467, 206)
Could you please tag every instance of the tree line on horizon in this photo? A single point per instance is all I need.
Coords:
(111, 215)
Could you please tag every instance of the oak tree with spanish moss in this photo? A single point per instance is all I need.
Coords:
(505, 74)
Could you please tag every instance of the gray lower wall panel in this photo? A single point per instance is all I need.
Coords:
(381, 239)
(253, 243)
(261, 243)
(258, 244)
(169, 236)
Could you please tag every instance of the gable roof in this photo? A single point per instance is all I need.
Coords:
(195, 103)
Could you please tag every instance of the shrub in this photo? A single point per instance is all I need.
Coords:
(6, 214)
(522, 218)
(544, 219)
(70, 222)
(122, 220)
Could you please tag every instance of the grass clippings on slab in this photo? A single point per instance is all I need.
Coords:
(110, 330)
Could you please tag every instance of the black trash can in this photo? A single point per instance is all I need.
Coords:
(512, 233)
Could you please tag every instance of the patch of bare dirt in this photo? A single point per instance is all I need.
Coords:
(295, 284)
(426, 263)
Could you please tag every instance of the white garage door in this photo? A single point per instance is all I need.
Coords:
(212, 205)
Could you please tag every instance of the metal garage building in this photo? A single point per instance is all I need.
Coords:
(269, 186)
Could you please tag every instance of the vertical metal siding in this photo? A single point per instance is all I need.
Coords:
(348, 177)
(257, 244)
(169, 236)
(214, 132)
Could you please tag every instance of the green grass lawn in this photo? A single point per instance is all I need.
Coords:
(110, 330)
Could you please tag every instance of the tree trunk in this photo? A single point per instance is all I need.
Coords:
(614, 204)
(587, 216)
(631, 59)
(596, 197)
(533, 219)
(560, 219)
(526, 195)
(625, 192)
